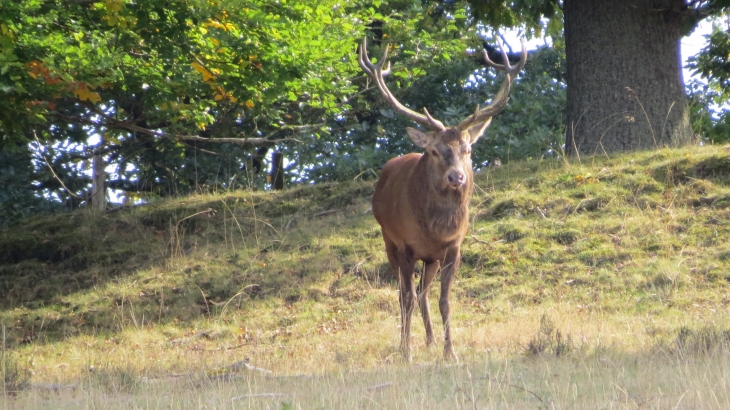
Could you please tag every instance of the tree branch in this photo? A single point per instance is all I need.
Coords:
(695, 11)
(40, 151)
(238, 141)
(201, 149)
(251, 141)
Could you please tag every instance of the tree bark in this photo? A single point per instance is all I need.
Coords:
(625, 86)
(98, 191)
(277, 171)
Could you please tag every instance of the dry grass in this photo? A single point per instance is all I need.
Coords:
(582, 284)
(659, 379)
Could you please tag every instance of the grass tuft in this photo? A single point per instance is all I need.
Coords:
(549, 340)
(704, 340)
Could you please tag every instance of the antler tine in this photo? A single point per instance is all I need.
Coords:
(506, 67)
(433, 121)
(495, 107)
(368, 65)
(500, 99)
(383, 60)
(363, 60)
(376, 73)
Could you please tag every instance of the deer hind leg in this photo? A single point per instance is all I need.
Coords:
(406, 297)
(451, 263)
(429, 272)
(392, 251)
(402, 265)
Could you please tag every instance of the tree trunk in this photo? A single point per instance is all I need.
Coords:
(98, 191)
(625, 86)
(277, 171)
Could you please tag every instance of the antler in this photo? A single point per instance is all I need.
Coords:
(376, 72)
(500, 100)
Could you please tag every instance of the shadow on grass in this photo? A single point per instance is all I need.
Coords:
(67, 274)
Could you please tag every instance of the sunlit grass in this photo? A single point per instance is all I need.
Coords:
(625, 258)
(658, 379)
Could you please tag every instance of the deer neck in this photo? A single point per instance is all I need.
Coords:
(442, 213)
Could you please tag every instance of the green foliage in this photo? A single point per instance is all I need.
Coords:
(709, 98)
(173, 64)
(713, 62)
(180, 93)
(530, 13)
(146, 76)
(533, 125)
(18, 198)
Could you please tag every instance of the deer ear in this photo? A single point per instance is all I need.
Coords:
(477, 130)
(419, 137)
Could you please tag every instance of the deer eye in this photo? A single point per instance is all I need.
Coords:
(435, 153)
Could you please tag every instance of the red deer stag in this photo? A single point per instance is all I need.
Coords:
(422, 200)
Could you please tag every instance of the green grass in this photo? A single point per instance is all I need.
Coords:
(565, 264)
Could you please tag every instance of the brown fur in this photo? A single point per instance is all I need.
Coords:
(422, 200)
(422, 218)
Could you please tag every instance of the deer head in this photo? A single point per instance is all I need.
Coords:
(448, 148)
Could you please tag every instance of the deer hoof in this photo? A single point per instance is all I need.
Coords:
(449, 355)
(406, 354)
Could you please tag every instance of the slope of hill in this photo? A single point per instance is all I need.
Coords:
(563, 258)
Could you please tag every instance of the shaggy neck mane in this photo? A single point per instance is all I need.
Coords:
(441, 212)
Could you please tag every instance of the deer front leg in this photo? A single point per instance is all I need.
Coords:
(429, 272)
(451, 263)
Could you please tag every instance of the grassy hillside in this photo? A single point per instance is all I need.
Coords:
(582, 260)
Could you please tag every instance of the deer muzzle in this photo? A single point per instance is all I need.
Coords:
(455, 178)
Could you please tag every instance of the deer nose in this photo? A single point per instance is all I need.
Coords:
(455, 178)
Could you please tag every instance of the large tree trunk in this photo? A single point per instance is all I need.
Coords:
(625, 87)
